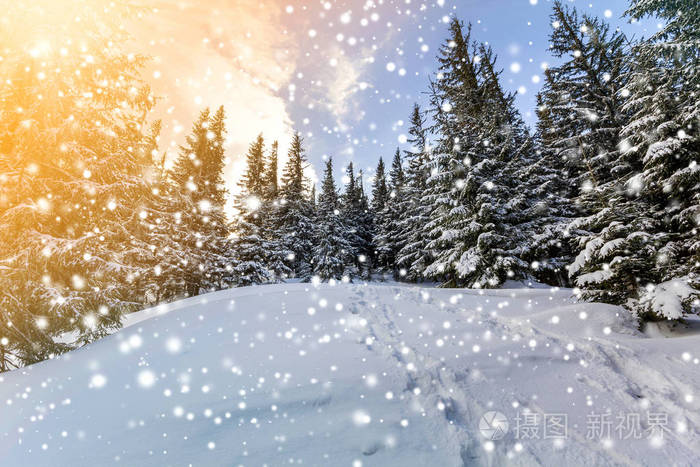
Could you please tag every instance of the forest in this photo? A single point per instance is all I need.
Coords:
(602, 196)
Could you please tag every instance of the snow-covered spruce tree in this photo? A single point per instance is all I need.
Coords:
(667, 100)
(200, 197)
(332, 252)
(476, 210)
(581, 120)
(366, 254)
(349, 202)
(73, 176)
(504, 209)
(270, 183)
(250, 248)
(388, 228)
(454, 96)
(380, 190)
(165, 258)
(649, 260)
(413, 255)
(545, 186)
(513, 213)
(354, 211)
(296, 212)
(583, 96)
(278, 256)
(380, 198)
(312, 198)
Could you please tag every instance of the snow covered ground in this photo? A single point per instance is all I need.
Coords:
(351, 375)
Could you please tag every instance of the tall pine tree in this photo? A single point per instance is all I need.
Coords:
(475, 210)
(581, 119)
(269, 212)
(388, 228)
(380, 198)
(332, 252)
(413, 255)
(198, 179)
(74, 175)
(644, 252)
(296, 213)
(251, 249)
(356, 216)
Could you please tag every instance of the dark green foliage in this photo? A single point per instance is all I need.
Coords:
(199, 197)
(295, 217)
(388, 230)
(332, 252)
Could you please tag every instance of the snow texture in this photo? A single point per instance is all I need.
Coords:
(354, 375)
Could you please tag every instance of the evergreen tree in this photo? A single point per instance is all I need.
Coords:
(352, 212)
(454, 98)
(380, 190)
(296, 213)
(198, 179)
(508, 208)
(644, 251)
(253, 180)
(73, 175)
(388, 227)
(332, 252)
(474, 208)
(380, 198)
(546, 187)
(252, 251)
(581, 169)
(271, 186)
(397, 177)
(163, 231)
(581, 119)
(277, 255)
(413, 256)
(365, 231)
(583, 97)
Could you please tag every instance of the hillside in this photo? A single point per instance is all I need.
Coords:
(297, 374)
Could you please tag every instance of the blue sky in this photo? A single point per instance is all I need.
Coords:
(517, 29)
(344, 73)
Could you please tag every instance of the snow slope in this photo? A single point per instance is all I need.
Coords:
(354, 375)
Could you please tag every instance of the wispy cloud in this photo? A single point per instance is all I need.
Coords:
(344, 82)
(235, 54)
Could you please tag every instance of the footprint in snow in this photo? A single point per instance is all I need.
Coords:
(372, 449)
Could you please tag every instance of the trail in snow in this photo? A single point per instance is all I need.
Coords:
(356, 375)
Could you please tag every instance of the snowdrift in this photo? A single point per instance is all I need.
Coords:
(356, 375)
